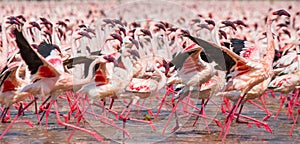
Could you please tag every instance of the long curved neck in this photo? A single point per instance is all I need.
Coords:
(4, 50)
(128, 66)
(270, 51)
(75, 44)
(136, 38)
(163, 80)
(215, 34)
(90, 74)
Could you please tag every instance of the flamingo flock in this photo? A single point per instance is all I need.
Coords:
(119, 72)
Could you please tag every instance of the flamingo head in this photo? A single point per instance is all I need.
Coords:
(146, 32)
(117, 37)
(275, 15)
(45, 22)
(13, 20)
(21, 17)
(281, 12)
(240, 23)
(160, 26)
(61, 23)
(35, 24)
(228, 23)
(210, 22)
(223, 34)
(123, 30)
(135, 24)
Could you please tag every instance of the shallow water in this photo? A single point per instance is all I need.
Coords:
(239, 133)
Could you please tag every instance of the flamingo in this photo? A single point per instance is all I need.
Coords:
(47, 79)
(10, 87)
(285, 84)
(142, 88)
(11, 93)
(192, 72)
(248, 75)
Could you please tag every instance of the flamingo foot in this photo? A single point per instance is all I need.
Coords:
(94, 134)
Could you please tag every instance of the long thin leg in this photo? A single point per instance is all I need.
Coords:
(295, 122)
(269, 114)
(238, 116)
(15, 120)
(171, 115)
(230, 117)
(203, 104)
(95, 135)
(3, 114)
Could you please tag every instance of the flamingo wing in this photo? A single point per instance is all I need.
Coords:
(245, 49)
(37, 64)
(214, 53)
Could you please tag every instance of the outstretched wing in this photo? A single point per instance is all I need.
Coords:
(245, 49)
(214, 53)
(36, 63)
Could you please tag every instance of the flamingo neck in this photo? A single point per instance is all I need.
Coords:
(161, 84)
(215, 34)
(4, 50)
(269, 57)
(90, 74)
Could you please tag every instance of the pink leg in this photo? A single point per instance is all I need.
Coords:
(203, 104)
(294, 124)
(282, 100)
(170, 89)
(73, 131)
(230, 117)
(255, 121)
(15, 120)
(290, 111)
(109, 110)
(269, 114)
(183, 99)
(47, 114)
(108, 121)
(143, 121)
(192, 106)
(204, 116)
(36, 110)
(3, 115)
(272, 93)
(75, 127)
(262, 108)
(160, 106)
(169, 119)
(142, 107)
(227, 103)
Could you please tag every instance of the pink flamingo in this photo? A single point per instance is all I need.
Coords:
(248, 74)
(47, 79)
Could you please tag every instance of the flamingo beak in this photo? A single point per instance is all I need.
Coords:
(109, 58)
(239, 22)
(281, 13)
(85, 34)
(210, 22)
(34, 24)
(229, 23)
(118, 37)
(223, 34)
(161, 26)
(147, 32)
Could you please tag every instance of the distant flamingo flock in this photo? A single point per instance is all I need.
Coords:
(87, 60)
